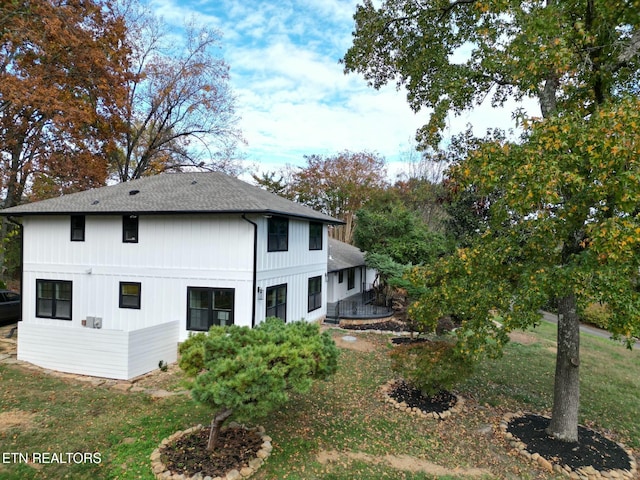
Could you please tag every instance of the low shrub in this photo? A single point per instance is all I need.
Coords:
(597, 314)
(431, 366)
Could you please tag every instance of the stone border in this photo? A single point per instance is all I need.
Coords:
(583, 473)
(387, 387)
(161, 471)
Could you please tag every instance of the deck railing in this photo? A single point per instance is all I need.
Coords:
(359, 306)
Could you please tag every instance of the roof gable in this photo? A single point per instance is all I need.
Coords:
(211, 192)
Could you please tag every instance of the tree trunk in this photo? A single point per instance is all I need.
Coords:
(566, 392)
(216, 424)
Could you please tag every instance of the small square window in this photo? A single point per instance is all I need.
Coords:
(53, 299)
(130, 229)
(130, 295)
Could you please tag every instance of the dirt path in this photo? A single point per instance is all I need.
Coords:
(399, 462)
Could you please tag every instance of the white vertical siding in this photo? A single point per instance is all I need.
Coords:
(173, 253)
(294, 267)
(338, 291)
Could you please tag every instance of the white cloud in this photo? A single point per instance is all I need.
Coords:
(293, 97)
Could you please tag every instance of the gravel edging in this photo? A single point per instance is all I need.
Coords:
(402, 406)
(161, 471)
(583, 473)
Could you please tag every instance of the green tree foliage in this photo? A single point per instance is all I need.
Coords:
(398, 232)
(248, 372)
(569, 55)
(574, 57)
(567, 225)
(431, 366)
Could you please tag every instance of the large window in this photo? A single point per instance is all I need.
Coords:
(209, 306)
(53, 299)
(77, 228)
(130, 229)
(278, 240)
(315, 236)
(130, 295)
(277, 301)
(315, 293)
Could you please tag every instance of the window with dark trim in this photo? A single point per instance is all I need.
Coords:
(351, 279)
(315, 236)
(315, 293)
(130, 229)
(77, 228)
(209, 306)
(341, 276)
(53, 299)
(277, 301)
(278, 237)
(130, 295)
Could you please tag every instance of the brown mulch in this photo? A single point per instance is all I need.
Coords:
(592, 448)
(188, 455)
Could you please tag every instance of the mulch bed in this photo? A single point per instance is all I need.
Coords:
(408, 340)
(384, 326)
(440, 402)
(188, 455)
(592, 448)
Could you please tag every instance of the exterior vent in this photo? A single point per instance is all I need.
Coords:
(95, 202)
(134, 192)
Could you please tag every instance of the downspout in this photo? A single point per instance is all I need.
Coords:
(21, 228)
(255, 267)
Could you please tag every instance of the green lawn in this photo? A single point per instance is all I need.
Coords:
(341, 429)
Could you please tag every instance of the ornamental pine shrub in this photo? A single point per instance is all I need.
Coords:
(248, 372)
(431, 366)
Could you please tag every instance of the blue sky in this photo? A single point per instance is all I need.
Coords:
(292, 95)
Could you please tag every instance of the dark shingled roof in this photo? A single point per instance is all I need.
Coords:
(172, 193)
(342, 255)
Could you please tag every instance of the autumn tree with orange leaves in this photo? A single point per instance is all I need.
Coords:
(337, 185)
(63, 77)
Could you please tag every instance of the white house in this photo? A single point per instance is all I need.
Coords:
(347, 272)
(113, 278)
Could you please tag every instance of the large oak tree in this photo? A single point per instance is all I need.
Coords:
(578, 58)
(63, 73)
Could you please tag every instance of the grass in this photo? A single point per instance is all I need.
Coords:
(341, 429)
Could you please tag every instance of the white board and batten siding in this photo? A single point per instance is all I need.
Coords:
(294, 268)
(172, 253)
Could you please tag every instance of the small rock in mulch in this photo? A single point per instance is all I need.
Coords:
(592, 448)
(440, 402)
(188, 455)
